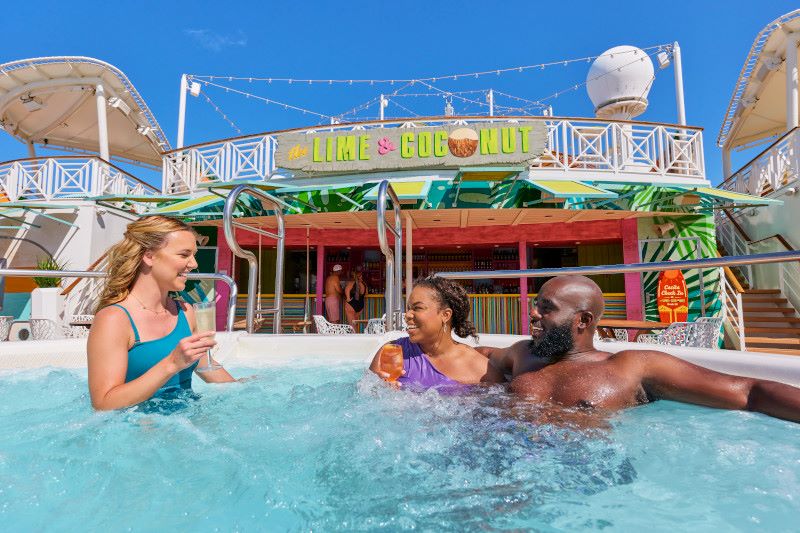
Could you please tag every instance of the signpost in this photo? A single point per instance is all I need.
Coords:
(672, 297)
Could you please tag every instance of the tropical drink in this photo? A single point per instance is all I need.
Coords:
(206, 317)
(392, 360)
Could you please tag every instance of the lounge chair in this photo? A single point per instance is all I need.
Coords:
(326, 328)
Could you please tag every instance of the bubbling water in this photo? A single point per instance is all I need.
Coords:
(330, 448)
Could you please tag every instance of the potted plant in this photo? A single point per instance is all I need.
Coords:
(46, 300)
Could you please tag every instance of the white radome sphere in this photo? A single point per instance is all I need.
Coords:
(619, 81)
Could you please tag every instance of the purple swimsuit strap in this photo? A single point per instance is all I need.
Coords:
(420, 372)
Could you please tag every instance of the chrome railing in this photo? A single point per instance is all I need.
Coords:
(776, 167)
(394, 260)
(688, 264)
(51, 178)
(729, 261)
(228, 225)
(575, 147)
(30, 272)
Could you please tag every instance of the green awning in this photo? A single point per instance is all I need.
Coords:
(735, 198)
(256, 184)
(488, 173)
(22, 206)
(186, 206)
(140, 198)
(36, 205)
(407, 191)
(570, 189)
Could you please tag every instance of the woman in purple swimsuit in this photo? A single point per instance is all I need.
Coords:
(431, 357)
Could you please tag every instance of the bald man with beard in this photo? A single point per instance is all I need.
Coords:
(561, 366)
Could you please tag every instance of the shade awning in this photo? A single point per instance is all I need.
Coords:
(488, 173)
(570, 189)
(735, 198)
(138, 198)
(51, 101)
(407, 191)
(256, 184)
(184, 207)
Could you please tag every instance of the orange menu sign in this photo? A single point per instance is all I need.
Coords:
(672, 297)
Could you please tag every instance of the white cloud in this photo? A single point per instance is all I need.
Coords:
(214, 41)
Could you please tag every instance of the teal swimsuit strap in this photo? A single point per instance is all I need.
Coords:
(135, 331)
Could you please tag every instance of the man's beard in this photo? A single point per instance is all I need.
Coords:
(553, 343)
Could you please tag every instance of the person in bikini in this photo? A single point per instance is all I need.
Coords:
(431, 357)
(142, 342)
(354, 296)
(560, 365)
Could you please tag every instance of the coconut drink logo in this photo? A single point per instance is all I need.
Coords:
(446, 146)
(463, 142)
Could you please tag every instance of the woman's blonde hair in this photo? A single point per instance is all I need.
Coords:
(125, 258)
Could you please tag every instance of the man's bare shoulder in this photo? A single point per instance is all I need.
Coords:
(519, 348)
(638, 359)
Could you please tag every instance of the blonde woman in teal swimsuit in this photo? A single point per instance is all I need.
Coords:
(142, 342)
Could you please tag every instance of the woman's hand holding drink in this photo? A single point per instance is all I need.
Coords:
(391, 362)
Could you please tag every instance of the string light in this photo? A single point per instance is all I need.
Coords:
(224, 116)
(458, 95)
(497, 72)
(263, 99)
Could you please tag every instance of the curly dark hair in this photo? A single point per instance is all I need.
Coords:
(451, 294)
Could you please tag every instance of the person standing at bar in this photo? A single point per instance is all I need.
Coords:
(354, 296)
(333, 295)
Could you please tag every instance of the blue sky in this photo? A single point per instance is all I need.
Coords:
(153, 43)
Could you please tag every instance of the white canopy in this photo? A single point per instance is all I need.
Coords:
(757, 109)
(55, 102)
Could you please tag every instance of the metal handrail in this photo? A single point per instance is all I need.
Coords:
(32, 272)
(713, 262)
(229, 224)
(394, 261)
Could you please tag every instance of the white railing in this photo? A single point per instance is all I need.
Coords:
(732, 241)
(575, 148)
(785, 277)
(733, 313)
(82, 297)
(50, 178)
(772, 169)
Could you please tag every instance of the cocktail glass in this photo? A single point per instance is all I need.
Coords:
(391, 361)
(206, 316)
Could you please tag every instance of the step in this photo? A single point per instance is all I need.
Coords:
(784, 351)
(771, 340)
(781, 319)
(762, 291)
(763, 300)
(789, 331)
(760, 309)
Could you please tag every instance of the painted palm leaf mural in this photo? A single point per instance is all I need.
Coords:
(692, 238)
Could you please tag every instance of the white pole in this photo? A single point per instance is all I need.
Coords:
(182, 110)
(791, 81)
(102, 121)
(726, 161)
(31, 149)
(676, 62)
(382, 106)
(409, 256)
(490, 98)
